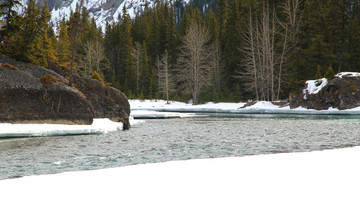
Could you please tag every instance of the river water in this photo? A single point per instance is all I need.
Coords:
(175, 139)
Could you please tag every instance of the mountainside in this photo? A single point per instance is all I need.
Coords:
(102, 10)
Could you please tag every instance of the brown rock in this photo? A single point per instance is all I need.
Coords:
(107, 101)
(33, 94)
(342, 93)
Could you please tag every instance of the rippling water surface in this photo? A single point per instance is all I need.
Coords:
(174, 139)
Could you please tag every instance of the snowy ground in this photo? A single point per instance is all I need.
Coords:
(154, 108)
(331, 174)
(24, 130)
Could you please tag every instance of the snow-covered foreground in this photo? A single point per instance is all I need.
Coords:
(24, 130)
(154, 108)
(326, 174)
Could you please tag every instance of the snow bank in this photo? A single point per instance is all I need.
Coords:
(348, 74)
(329, 174)
(155, 108)
(26, 130)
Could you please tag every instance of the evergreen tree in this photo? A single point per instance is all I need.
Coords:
(314, 47)
(222, 15)
(63, 48)
(318, 73)
(354, 45)
(213, 25)
(231, 39)
(338, 23)
(74, 29)
(48, 52)
(8, 13)
(126, 50)
(111, 50)
(145, 72)
(31, 44)
(329, 73)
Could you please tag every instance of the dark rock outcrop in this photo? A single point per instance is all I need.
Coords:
(342, 92)
(32, 94)
(107, 101)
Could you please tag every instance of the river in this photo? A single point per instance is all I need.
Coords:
(176, 139)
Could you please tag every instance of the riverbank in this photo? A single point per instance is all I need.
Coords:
(99, 126)
(330, 174)
(153, 108)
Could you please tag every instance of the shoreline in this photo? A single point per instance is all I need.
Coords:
(261, 107)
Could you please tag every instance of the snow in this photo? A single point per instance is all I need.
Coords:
(348, 74)
(328, 174)
(314, 86)
(156, 115)
(154, 108)
(25, 130)
(100, 10)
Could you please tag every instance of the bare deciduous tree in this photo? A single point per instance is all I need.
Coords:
(94, 55)
(194, 61)
(165, 81)
(267, 46)
(217, 66)
(99, 55)
(137, 57)
(87, 64)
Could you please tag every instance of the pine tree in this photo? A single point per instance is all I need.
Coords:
(111, 51)
(48, 52)
(354, 45)
(74, 29)
(145, 72)
(126, 49)
(8, 13)
(213, 25)
(32, 47)
(231, 39)
(63, 49)
(318, 73)
(329, 73)
(222, 11)
(338, 24)
(315, 48)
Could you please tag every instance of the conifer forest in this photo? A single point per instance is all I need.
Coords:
(214, 50)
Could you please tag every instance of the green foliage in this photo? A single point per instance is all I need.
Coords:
(329, 36)
(231, 39)
(329, 73)
(96, 76)
(63, 47)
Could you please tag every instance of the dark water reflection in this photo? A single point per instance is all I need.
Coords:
(176, 139)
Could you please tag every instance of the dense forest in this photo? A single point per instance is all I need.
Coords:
(234, 50)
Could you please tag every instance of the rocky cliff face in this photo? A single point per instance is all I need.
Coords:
(32, 94)
(342, 92)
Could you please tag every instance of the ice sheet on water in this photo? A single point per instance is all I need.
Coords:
(27, 130)
(151, 108)
(144, 114)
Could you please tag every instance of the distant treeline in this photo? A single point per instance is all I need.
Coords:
(212, 51)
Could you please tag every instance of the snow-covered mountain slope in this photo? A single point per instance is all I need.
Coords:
(102, 10)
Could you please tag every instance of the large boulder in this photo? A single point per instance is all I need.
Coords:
(107, 101)
(341, 92)
(33, 94)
